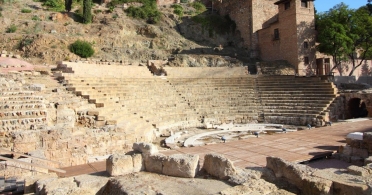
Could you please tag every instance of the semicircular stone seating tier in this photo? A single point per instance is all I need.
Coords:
(20, 107)
(142, 105)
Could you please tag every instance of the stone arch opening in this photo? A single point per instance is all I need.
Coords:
(357, 108)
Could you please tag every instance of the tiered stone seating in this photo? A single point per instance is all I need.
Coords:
(20, 109)
(205, 72)
(221, 99)
(295, 100)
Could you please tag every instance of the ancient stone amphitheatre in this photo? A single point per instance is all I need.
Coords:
(205, 120)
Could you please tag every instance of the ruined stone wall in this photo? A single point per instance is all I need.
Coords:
(241, 13)
(249, 16)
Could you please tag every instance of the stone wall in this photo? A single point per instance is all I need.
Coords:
(357, 152)
(249, 17)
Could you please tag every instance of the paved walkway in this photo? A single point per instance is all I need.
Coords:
(296, 147)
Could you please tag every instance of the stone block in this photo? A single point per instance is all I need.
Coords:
(154, 163)
(356, 160)
(368, 160)
(345, 158)
(355, 170)
(367, 137)
(355, 143)
(93, 113)
(66, 117)
(94, 182)
(119, 164)
(218, 166)
(360, 152)
(138, 163)
(316, 185)
(145, 148)
(345, 150)
(181, 165)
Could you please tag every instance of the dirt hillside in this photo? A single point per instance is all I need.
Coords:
(43, 36)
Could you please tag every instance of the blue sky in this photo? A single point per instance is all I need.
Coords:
(325, 5)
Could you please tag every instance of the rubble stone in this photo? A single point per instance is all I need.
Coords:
(119, 164)
(219, 166)
(145, 148)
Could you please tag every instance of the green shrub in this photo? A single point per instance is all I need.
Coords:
(25, 42)
(36, 18)
(148, 11)
(178, 12)
(55, 5)
(200, 7)
(177, 9)
(184, 1)
(82, 48)
(26, 11)
(11, 29)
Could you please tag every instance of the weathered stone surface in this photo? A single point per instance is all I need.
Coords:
(360, 152)
(299, 175)
(154, 163)
(56, 186)
(368, 160)
(145, 148)
(315, 185)
(356, 160)
(181, 165)
(66, 116)
(344, 183)
(219, 166)
(138, 163)
(355, 170)
(119, 164)
(254, 186)
(345, 150)
(94, 183)
(30, 181)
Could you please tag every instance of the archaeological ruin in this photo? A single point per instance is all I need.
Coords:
(275, 121)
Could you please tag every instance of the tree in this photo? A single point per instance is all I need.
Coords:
(361, 34)
(87, 11)
(68, 5)
(369, 6)
(333, 27)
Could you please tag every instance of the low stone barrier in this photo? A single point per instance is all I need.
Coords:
(178, 165)
(218, 166)
(356, 152)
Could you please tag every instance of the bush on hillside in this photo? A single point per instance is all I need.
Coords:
(26, 11)
(177, 9)
(55, 5)
(198, 6)
(11, 29)
(148, 11)
(82, 48)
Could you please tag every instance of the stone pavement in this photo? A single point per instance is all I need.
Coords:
(297, 146)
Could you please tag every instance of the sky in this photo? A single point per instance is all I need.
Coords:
(325, 5)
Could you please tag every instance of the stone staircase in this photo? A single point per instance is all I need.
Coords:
(296, 100)
(11, 185)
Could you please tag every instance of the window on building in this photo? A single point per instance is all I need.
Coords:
(306, 60)
(287, 5)
(304, 4)
(306, 45)
(276, 34)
